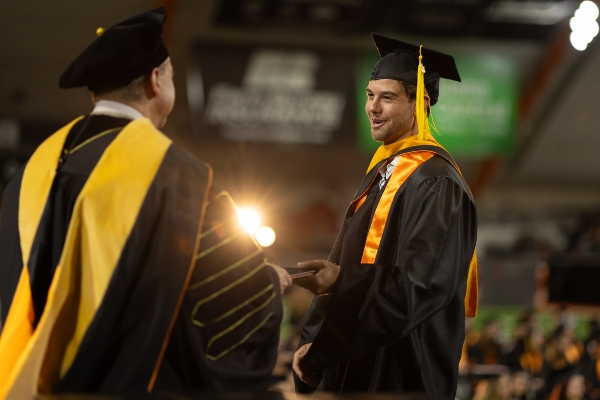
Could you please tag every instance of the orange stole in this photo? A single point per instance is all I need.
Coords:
(407, 164)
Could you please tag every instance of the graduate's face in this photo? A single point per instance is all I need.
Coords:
(391, 113)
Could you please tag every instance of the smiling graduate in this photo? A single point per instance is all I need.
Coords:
(391, 301)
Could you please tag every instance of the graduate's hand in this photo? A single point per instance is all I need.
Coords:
(285, 280)
(322, 281)
(300, 368)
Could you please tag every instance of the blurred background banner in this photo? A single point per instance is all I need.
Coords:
(477, 117)
(271, 94)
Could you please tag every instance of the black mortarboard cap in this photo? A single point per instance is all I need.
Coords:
(119, 54)
(399, 60)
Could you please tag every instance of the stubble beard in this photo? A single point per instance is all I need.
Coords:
(395, 128)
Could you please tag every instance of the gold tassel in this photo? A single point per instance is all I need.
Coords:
(422, 122)
(432, 123)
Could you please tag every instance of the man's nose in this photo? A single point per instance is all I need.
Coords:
(374, 106)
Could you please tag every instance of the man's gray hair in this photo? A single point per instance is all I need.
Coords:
(132, 92)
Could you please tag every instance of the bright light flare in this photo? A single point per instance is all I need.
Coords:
(265, 236)
(583, 25)
(249, 218)
(578, 42)
(589, 9)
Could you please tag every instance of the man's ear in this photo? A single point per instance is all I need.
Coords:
(427, 107)
(153, 87)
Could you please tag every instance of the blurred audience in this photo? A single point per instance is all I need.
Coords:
(529, 362)
(488, 349)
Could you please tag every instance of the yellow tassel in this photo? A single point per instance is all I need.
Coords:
(100, 31)
(432, 123)
(422, 122)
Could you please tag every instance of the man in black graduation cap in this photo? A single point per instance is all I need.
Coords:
(120, 272)
(392, 298)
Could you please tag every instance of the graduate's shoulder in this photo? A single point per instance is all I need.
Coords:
(435, 168)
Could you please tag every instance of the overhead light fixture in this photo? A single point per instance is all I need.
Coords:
(584, 27)
(531, 12)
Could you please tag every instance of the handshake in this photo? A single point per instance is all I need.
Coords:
(316, 276)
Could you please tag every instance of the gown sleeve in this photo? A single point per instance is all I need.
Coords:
(430, 238)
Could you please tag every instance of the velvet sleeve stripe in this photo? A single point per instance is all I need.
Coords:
(231, 294)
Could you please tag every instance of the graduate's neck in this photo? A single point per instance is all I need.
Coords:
(388, 150)
(403, 142)
(404, 137)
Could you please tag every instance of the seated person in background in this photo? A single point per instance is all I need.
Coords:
(488, 349)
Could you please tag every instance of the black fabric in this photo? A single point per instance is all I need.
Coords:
(398, 325)
(121, 347)
(354, 242)
(10, 243)
(71, 176)
(49, 240)
(120, 54)
(401, 66)
(189, 361)
(400, 61)
(571, 281)
(118, 355)
(436, 61)
(85, 129)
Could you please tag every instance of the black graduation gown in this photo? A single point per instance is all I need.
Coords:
(141, 332)
(398, 325)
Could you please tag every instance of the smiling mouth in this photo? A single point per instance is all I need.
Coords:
(376, 123)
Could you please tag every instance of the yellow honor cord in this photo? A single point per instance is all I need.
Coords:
(422, 122)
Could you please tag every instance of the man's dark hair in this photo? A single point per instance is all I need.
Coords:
(410, 90)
